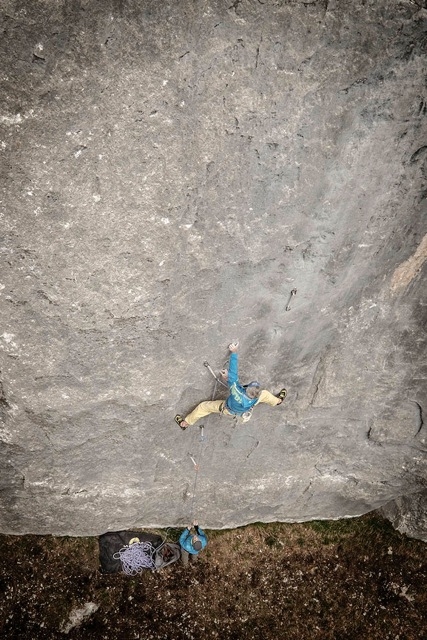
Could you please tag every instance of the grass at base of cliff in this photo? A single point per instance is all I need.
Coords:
(347, 579)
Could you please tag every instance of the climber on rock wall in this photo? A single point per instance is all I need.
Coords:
(240, 402)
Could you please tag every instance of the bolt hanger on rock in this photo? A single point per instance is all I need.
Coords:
(291, 295)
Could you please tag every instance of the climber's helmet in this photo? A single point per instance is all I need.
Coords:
(196, 543)
(253, 390)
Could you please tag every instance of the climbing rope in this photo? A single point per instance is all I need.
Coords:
(202, 439)
(217, 379)
(193, 498)
(215, 388)
(209, 368)
(136, 557)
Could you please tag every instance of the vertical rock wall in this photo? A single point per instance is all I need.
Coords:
(170, 171)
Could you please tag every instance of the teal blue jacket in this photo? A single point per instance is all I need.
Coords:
(237, 402)
(187, 536)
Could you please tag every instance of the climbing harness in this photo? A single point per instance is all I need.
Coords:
(136, 557)
(291, 295)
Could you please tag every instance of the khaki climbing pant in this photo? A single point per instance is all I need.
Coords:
(218, 406)
(205, 408)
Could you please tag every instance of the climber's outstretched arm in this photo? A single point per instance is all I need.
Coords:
(233, 366)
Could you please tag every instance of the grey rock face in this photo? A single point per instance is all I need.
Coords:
(170, 172)
(408, 514)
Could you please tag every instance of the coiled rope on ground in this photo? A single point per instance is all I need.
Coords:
(136, 557)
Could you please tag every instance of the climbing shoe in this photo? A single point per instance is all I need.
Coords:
(179, 420)
(282, 394)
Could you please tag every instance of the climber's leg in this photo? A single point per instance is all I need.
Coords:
(203, 409)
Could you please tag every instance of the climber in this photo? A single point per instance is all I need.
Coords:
(241, 400)
(191, 543)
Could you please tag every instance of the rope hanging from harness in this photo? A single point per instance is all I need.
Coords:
(136, 557)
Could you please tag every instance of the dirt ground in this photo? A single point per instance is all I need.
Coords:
(348, 579)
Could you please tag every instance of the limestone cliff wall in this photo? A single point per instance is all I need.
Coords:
(170, 171)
